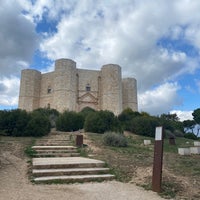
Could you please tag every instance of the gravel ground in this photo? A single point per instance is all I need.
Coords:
(15, 185)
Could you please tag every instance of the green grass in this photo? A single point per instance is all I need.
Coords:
(83, 151)
(180, 143)
(169, 190)
(124, 160)
(29, 151)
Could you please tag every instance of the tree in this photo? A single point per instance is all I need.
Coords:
(144, 125)
(126, 116)
(86, 111)
(69, 121)
(101, 121)
(196, 117)
(171, 122)
(52, 114)
(189, 125)
(171, 117)
(14, 122)
(39, 125)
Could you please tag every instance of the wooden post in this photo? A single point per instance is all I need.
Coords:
(79, 140)
(158, 158)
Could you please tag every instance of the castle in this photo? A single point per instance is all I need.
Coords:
(69, 88)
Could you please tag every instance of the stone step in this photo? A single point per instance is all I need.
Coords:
(53, 147)
(66, 162)
(57, 154)
(58, 133)
(75, 178)
(54, 144)
(53, 141)
(56, 151)
(69, 171)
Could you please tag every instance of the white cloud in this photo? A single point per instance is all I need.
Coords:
(183, 115)
(17, 38)
(97, 33)
(9, 91)
(18, 41)
(159, 100)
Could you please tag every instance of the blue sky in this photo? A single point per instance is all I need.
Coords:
(157, 42)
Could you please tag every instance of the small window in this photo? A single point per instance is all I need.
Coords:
(48, 106)
(88, 88)
(49, 90)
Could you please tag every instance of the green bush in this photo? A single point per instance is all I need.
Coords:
(126, 116)
(14, 122)
(69, 121)
(190, 136)
(101, 121)
(169, 134)
(115, 139)
(52, 114)
(144, 125)
(86, 111)
(39, 125)
(178, 133)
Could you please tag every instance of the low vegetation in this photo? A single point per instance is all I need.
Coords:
(38, 123)
(134, 163)
(69, 121)
(115, 139)
(20, 123)
(101, 121)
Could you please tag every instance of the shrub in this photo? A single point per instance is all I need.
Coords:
(86, 111)
(101, 121)
(126, 116)
(190, 136)
(69, 121)
(178, 133)
(14, 122)
(144, 125)
(169, 134)
(39, 125)
(115, 139)
(52, 114)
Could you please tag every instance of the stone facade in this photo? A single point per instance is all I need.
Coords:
(69, 88)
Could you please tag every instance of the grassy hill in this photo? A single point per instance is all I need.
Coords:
(181, 174)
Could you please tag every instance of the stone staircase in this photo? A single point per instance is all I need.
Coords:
(56, 160)
(55, 151)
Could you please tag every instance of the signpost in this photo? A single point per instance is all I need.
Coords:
(158, 158)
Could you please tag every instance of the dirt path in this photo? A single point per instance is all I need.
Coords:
(15, 185)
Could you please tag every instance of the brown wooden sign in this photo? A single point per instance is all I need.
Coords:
(158, 158)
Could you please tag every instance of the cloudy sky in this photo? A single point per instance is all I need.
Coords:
(157, 42)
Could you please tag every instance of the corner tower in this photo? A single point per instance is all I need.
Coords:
(64, 85)
(111, 88)
(29, 89)
(129, 93)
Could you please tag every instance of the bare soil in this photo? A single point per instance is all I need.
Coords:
(15, 183)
